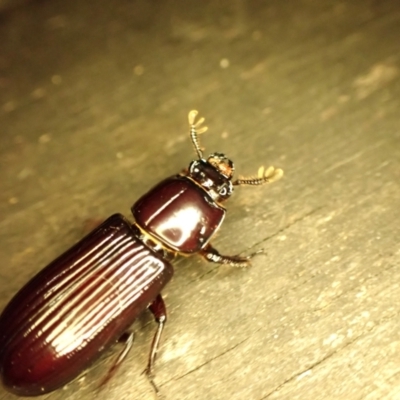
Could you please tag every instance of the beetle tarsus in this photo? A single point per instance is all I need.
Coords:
(150, 377)
(212, 255)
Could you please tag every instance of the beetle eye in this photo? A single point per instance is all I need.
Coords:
(225, 191)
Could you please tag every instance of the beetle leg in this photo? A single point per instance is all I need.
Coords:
(127, 340)
(212, 255)
(158, 309)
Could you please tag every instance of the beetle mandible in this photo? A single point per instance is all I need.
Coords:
(78, 306)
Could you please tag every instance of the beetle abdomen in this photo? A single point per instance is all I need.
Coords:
(77, 307)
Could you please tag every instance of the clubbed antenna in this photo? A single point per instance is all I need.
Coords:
(196, 129)
(264, 176)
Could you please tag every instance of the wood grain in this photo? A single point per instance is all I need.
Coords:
(94, 106)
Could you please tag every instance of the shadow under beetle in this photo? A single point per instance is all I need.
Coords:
(72, 311)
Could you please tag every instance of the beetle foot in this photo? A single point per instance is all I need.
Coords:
(212, 255)
(248, 258)
(256, 253)
(150, 376)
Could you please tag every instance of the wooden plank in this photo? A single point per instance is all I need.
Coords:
(94, 107)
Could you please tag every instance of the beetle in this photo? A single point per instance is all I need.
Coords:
(78, 306)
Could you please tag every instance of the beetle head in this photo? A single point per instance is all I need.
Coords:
(214, 175)
(222, 164)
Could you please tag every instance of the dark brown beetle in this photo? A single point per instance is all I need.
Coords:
(72, 311)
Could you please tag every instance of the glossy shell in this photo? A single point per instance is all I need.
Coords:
(179, 213)
(77, 307)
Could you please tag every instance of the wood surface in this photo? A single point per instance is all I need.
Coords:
(93, 109)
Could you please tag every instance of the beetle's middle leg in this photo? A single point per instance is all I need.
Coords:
(212, 255)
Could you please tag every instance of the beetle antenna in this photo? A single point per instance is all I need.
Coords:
(263, 176)
(195, 130)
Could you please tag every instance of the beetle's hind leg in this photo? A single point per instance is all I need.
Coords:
(158, 309)
(127, 340)
(212, 255)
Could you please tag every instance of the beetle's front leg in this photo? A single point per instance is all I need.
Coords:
(212, 255)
